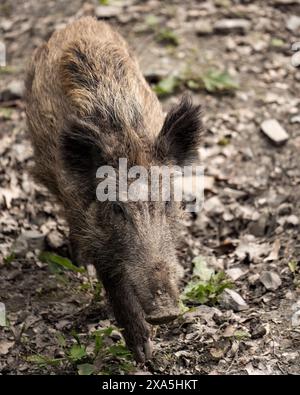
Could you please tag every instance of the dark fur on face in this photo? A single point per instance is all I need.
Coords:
(88, 105)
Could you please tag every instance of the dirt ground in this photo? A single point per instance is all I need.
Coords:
(249, 222)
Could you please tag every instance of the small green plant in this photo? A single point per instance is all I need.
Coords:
(241, 335)
(43, 360)
(151, 21)
(295, 270)
(77, 352)
(293, 266)
(5, 113)
(108, 2)
(277, 42)
(58, 261)
(224, 141)
(206, 286)
(85, 369)
(167, 86)
(6, 70)
(167, 36)
(8, 259)
(212, 80)
(90, 354)
(218, 81)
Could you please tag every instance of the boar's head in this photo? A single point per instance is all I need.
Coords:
(131, 243)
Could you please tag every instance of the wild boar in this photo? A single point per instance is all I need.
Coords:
(88, 105)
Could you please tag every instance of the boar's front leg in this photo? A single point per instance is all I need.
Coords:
(130, 317)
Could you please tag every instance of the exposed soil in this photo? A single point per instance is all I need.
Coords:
(250, 219)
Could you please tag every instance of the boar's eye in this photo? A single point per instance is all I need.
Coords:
(168, 205)
(118, 209)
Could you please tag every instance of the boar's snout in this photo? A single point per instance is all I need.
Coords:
(162, 316)
(159, 294)
(164, 309)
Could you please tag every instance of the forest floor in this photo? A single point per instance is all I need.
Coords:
(248, 227)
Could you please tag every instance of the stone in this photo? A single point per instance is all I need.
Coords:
(22, 152)
(270, 280)
(204, 312)
(14, 90)
(209, 183)
(235, 273)
(292, 220)
(295, 119)
(226, 26)
(285, 2)
(253, 278)
(296, 59)
(213, 205)
(285, 209)
(6, 25)
(258, 332)
(20, 247)
(55, 239)
(35, 240)
(2, 314)
(203, 28)
(108, 11)
(296, 46)
(232, 300)
(258, 228)
(293, 23)
(5, 346)
(296, 319)
(274, 131)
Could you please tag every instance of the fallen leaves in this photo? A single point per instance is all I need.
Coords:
(5, 346)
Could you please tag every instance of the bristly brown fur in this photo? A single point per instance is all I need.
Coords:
(88, 105)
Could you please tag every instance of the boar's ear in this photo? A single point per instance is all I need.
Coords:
(81, 154)
(179, 138)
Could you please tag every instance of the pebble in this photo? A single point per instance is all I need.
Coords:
(258, 332)
(203, 28)
(235, 273)
(296, 46)
(55, 239)
(107, 12)
(2, 314)
(6, 25)
(270, 280)
(213, 205)
(274, 131)
(203, 311)
(292, 220)
(5, 346)
(295, 119)
(285, 209)
(285, 2)
(224, 26)
(258, 228)
(34, 239)
(232, 300)
(14, 90)
(293, 23)
(296, 59)
(20, 247)
(296, 318)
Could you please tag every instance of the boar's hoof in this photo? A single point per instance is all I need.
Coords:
(163, 316)
(143, 353)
